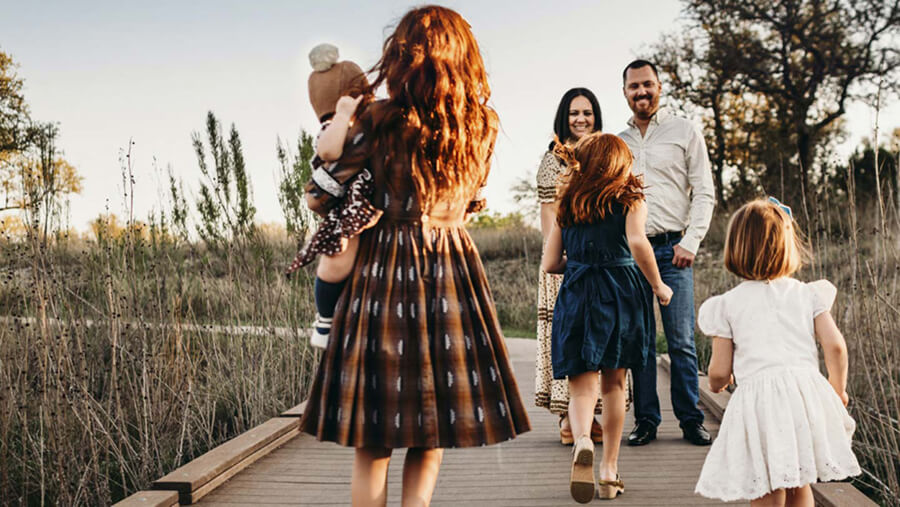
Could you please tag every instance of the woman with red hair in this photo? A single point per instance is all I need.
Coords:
(416, 357)
(601, 321)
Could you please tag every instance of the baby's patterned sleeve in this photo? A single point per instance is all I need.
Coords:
(823, 293)
(329, 183)
(712, 318)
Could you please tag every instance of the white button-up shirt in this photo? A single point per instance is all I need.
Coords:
(678, 183)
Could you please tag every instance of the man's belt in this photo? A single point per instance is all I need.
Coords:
(665, 238)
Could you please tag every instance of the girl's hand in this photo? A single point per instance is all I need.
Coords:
(664, 293)
(724, 387)
(842, 394)
(346, 105)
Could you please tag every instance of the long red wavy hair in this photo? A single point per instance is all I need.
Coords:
(438, 93)
(599, 175)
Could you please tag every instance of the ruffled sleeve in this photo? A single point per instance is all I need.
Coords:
(712, 318)
(548, 178)
(823, 293)
(329, 184)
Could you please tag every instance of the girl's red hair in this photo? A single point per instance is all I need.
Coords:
(438, 91)
(598, 175)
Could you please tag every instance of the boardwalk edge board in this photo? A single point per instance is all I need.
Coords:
(150, 499)
(294, 411)
(203, 474)
(827, 494)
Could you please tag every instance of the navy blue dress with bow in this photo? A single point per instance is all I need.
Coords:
(602, 318)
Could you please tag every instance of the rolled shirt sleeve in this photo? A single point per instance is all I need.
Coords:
(703, 196)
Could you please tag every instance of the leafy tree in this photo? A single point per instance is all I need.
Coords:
(34, 178)
(37, 180)
(179, 206)
(525, 195)
(863, 165)
(15, 122)
(796, 62)
(295, 170)
(225, 204)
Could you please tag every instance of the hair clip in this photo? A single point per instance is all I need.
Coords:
(784, 207)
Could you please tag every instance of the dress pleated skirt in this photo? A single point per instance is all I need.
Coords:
(416, 356)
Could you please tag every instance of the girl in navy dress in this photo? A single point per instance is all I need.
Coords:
(601, 322)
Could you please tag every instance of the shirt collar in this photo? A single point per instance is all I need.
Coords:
(658, 117)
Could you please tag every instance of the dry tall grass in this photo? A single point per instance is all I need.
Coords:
(121, 375)
(855, 245)
(115, 369)
(109, 373)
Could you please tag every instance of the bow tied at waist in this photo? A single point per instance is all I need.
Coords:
(575, 269)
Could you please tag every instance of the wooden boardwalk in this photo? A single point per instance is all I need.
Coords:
(531, 470)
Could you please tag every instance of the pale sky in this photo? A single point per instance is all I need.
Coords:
(109, 71)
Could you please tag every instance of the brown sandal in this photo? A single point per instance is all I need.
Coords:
(596, 432)
(565, 434)
(581, 481)
(607, 490)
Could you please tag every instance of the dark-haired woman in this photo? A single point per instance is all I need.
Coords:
(578, 114)
(416, 358)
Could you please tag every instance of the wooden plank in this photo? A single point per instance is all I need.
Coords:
(195, 474)
(294, 411)
(531, 470)
(202, 491)
(840, 494)
(150, 499)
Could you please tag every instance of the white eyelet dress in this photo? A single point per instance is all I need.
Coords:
(784, 426)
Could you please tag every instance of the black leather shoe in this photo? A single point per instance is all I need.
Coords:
(642, 434)
(696, 434)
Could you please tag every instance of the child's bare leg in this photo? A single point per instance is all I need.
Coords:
(336, 268)
(800, 497)
(368, 485)
(420, 473)
(582, 399)
(612, 388)
(773, 499)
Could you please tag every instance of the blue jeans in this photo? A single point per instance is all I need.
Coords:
(678, 325)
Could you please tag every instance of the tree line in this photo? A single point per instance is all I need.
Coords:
(36, 181)
(772, 82)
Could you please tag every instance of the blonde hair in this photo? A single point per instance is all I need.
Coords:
(762, 243)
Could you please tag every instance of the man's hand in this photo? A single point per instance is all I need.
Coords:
(682, 258)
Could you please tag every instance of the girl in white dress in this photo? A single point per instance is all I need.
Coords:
(786, 426)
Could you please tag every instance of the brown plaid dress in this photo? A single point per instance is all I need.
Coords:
(416, 356)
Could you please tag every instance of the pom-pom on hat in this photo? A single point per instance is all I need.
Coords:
(330, 79)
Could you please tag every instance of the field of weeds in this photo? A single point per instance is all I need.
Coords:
(122, 358)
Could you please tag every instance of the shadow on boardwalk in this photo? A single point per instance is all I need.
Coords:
(531, 470)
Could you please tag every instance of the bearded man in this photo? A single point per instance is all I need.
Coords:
(670, 153)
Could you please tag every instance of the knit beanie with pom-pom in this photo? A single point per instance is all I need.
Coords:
(331, 79)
